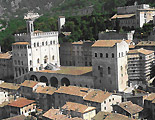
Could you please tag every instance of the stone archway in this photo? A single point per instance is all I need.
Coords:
(65, 81)
(33, 77)
(44, 80)
(54, 82)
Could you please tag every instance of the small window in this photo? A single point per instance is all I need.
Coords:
(104, 102)
(51, 42)
(95, 54)
(38, 44)
(109, 70)
(112, 55)
(34, 44)
(104, 108)
(106, 55)
(42, 43)
(53, 57)
(101, 55)
(98, 67)
(30, 62)
(38, 60)
(46, 42)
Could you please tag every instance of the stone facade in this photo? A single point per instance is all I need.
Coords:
(34, 50)
(109, 58)
(113, 35)
(6, 65)
(76, 53)
(133, 16)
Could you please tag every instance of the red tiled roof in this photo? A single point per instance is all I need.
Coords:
(21, 43)
(108, 43)
(130, 107)
(5, 55)
(70, 70)
(97, 96)
(141, 50)
(73, 90)
(29, 83)
(71, 106)
(21, 102)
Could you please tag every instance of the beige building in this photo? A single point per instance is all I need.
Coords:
(6, 65)
(129, 109)
(22, 106)
(140, 62)
(109, 60)
(133, 16)
(76, 53)
(79, 110)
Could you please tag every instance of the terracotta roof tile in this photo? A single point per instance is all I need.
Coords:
(141, 50)
(123, 16)
(71, 106)
(73, 90)
(130, 107)
(110, 116)
(54, 114)
(97, 96)
(19, 117)
(70, 70)
(29, 83)
(10, 86)
(146, 43)
(151, 97)
(21, 43)
(107, 43)
(45, 90)
(21, 102)
(5, 55)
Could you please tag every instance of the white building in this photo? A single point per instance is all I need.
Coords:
(109, 60)
(34, 50)
(61, 22)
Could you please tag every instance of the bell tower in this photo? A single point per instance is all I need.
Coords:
(30, 18)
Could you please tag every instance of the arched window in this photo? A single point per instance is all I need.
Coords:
(34, 44)
(46, 42)
(30, 62)
(54, 42)
(51, 42)
(45, 59)
(95, 54)
(18, 62)
(53, 57)
(42, 43)
(112, 55)
(38, 60)
(101, 55)
(106, 55)
(109, 70)
(121, 68)
(37, 44)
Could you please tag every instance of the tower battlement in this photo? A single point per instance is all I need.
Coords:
(38, 34)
